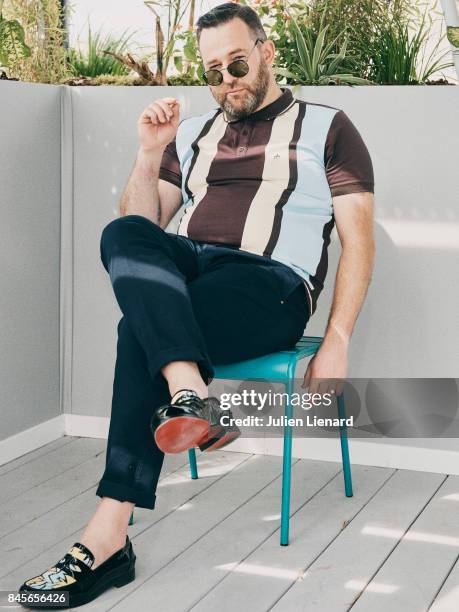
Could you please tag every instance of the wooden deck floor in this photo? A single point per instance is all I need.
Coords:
(213, 543)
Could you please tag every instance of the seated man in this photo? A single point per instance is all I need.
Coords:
(262, 179)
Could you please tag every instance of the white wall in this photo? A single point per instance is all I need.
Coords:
(105, 145)
(29, 254)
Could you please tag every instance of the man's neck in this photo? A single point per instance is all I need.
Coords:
(274, 92)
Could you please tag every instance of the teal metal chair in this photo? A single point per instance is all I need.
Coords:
(280, 367)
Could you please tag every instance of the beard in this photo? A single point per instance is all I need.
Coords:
(249, 99)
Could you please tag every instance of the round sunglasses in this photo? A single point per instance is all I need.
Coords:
(238, 68)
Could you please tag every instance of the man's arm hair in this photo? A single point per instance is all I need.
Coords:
(141, 196)
(354, 223)
(146, 195)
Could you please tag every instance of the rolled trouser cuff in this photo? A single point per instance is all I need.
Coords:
(182, 353)
(121, 492)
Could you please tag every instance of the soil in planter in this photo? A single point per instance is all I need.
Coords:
(5, 77)
(439, 82)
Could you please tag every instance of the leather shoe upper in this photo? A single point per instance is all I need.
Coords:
(188, 404)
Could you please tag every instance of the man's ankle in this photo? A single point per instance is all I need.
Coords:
(201, 390)
(102, 549)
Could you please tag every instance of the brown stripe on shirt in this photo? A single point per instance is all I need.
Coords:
(233, 180)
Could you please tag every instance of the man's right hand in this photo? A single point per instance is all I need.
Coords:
(157, 125)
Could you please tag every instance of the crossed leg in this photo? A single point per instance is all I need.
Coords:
(228, 313)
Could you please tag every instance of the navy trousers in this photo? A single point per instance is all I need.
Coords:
(182, 299)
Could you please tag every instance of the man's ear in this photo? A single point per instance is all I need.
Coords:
(269, 51)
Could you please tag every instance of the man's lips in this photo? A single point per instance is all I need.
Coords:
(236, 90)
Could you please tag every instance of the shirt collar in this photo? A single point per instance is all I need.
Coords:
(271, 110)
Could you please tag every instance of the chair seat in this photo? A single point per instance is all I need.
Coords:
(274, 366)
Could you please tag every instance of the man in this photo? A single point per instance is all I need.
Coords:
(261, 179)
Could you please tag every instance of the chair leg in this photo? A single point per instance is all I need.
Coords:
(193, 464)
(286, 470)
(344, 447)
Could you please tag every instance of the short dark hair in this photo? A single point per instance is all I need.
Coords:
(228, 11)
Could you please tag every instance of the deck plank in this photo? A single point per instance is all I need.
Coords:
(220, 533)
(231, 540)
(43, 470)
(265, 574)
(27, 550)
(334, 579)
(37, 452)
(415, 570)
(447, 598)
(45, 496)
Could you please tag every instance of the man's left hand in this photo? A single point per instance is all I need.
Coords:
(328, 368)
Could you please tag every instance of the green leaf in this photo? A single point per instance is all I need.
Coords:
(349, 78)
(339, 58)
(284, 72)
(188, 51)
(453, 35)
(12, 42)
(178, 62)
(317, 55)
(95, 61)
(302, 48)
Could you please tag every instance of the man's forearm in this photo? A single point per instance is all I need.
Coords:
(352, 279)
(140, 196)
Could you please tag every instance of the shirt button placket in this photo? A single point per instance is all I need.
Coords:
(242, 149)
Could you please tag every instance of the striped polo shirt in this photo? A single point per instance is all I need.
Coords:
(264, 183)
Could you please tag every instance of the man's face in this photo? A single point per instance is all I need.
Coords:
(223, 44)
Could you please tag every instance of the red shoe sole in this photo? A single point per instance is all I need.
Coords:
(212, 433)
(180, 433)
(223, 441)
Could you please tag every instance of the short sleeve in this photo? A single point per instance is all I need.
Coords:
(169, 169)
(348, 164)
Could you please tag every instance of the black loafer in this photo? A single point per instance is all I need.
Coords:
(73, 574)
(189, 421)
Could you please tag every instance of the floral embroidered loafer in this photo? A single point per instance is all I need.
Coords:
(74, 575)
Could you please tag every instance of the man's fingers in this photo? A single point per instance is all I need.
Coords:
(160, 111)
(323, 387)
(331, 386)
(155, 110)
(149, 115)
(313, 386)
(166, 108)
(169, 105)
(307, 378)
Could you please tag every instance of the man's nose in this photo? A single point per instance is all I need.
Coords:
(228, 79)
